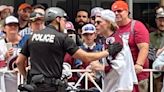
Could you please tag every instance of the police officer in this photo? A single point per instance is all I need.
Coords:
(47, 49)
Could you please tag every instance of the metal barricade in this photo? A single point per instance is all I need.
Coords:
(151, 76)
(20, 79)
(86, 75)
(9, 80)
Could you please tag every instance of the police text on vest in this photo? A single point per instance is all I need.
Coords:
(43, 38)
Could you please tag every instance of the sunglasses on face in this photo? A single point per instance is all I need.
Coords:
(118, 11)
(161, 19)
(36, 14)
(93, 18)
(98, 22)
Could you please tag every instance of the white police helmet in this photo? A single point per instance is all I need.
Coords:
(53, 12)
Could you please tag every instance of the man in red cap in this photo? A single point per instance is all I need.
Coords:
(24, 12)
(138, 42)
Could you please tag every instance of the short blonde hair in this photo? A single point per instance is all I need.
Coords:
(113, 25)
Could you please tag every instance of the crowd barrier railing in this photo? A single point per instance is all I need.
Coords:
(151, 77)
(9, 80)
(86, 74)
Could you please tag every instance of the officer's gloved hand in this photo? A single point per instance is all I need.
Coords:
(66, 72)
(114, 48)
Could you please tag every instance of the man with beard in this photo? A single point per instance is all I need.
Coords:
(156, 41)
(82, 18)
(24, 12)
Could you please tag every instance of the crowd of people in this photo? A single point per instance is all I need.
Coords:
(108, 42)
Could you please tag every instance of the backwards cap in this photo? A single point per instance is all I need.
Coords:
(36, 16)
(160, 12)
(108, 15)
(96, 11)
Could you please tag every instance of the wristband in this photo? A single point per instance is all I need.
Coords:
(139, 64)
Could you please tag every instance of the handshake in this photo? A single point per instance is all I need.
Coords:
(114, 48)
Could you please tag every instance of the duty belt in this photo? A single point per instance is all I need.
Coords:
(52, 81)
(39, 79)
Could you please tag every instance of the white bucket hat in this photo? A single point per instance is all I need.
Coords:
(2, 7)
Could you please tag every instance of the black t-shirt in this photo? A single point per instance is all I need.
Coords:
(46, 50)
(21, 28)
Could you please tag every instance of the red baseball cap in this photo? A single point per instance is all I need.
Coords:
(24, 6)
(119, 5)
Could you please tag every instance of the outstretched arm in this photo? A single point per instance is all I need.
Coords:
(90, 56)
(113, 49)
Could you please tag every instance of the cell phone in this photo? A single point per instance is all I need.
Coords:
(9, 45)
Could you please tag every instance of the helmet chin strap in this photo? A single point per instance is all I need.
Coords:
(65, 31)
(59, 27)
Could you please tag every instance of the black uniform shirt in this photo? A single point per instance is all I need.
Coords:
(46, 50)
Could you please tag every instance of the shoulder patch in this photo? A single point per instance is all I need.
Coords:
(110, 40)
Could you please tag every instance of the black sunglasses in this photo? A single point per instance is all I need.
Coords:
(118, 11)
(93, 18)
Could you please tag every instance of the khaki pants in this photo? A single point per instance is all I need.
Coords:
(143, 85)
